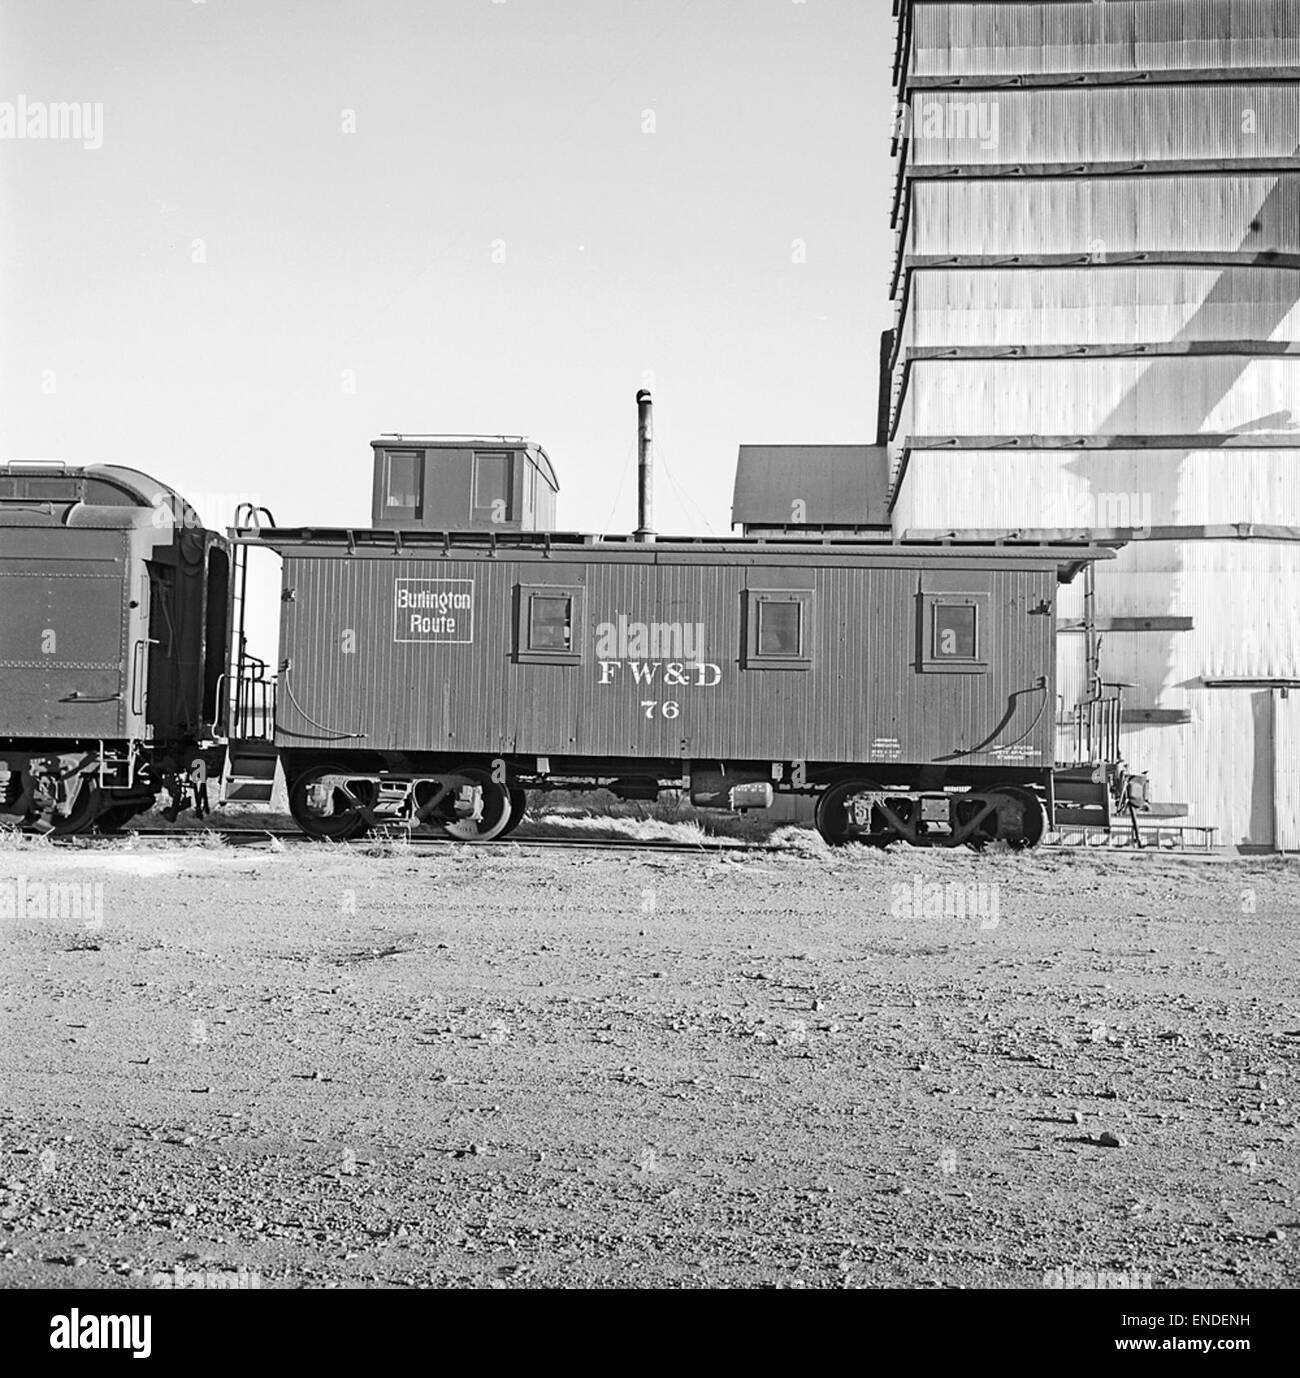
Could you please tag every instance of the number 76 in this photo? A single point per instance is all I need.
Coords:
(670, 708)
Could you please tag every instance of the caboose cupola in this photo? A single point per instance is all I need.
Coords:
(462, 483)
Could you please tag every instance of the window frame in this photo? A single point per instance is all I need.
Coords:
(391, 509)
(482, 512)
(754, 659)
(525, 652)
(931, 663)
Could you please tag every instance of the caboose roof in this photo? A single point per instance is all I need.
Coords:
(399, 441)
(1067, 555)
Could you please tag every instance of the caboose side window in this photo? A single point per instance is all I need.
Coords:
(548, 624)
(402, 481)
(492, 486)
(778, 629)
(954, 632)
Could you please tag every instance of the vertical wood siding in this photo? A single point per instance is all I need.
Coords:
(863, 685)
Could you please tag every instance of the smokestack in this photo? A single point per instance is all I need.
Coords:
(645, 488)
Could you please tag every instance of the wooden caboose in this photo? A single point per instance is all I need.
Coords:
(436, 674)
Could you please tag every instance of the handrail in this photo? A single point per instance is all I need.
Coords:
(1096, 731)
(250, 706)
(249, 515)
(253, 700)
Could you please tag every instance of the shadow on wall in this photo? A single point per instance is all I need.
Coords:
(1158, 390)
(1261, 792)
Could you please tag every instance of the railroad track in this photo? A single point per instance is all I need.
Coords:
(427, 842)
(250, 837)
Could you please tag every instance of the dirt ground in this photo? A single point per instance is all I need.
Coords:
(499, 1066)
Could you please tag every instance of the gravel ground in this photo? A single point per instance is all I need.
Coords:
(502, 1067)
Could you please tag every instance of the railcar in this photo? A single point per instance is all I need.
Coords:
(114, 618)
(434, 673)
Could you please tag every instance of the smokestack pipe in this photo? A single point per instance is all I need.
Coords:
(645, 488)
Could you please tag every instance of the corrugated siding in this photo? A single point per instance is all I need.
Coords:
(1070, 306)
(1220, 763)
(473, 698)
(1104, 124)
(1175, 396)
(1247, 619)
(1059, 488)
(1244, 596)
(1286, 769)
(1228, 762)
(1244, 599)
(1112, 215)
(1119, 36)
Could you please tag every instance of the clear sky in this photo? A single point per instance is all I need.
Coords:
(313, 221)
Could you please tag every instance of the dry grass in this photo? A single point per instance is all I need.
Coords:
(671, 817)
(551, 814)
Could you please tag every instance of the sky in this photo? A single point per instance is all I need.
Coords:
(290, 226)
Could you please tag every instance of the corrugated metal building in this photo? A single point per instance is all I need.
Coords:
(1097, 290)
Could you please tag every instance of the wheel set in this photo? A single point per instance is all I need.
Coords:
(859, 810)
(464, 804)
(92, 810)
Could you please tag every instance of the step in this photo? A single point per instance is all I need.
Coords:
(253, 767)
(250, 772)
(1082, 770)
(1081, 792)
(1080, 781)
(241, 790)
(1080, 817)
(253, 758)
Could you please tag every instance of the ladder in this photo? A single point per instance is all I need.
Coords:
(249, 706)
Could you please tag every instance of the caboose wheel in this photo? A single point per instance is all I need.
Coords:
(327, 802)
(1020, 820)
(518, 807)
(833, 815)
(481, 822)
(116, 818)
(82, 816)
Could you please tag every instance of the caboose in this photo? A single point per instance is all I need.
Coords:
(114, 616)
(435, 668)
